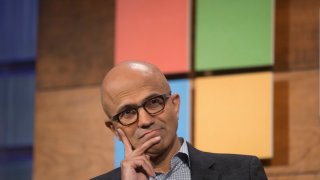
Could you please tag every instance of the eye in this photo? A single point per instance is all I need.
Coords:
(154, 103)
(155, 100)
(127, 113)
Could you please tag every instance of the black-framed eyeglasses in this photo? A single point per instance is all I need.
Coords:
(152, 106)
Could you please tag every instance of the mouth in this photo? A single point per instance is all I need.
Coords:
(150, 133)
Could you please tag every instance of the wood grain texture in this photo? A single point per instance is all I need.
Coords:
(306, 176)
(296, 34)
(281, 123)
(304, 126)
(71, 141)
(75, 42)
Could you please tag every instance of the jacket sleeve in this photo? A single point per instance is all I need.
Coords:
(112, 175)
(257, 170)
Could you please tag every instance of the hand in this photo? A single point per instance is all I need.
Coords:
(136, 164)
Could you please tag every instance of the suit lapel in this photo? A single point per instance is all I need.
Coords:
(202, 165)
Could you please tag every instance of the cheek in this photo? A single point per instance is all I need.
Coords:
(173, 119)
(171, 124)
(130, 133)
(174, 126)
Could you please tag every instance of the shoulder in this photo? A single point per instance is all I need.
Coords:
(228, 164)
(240, 164)
(233, 161)
(216, 156)
(111, 175)
(222, 159)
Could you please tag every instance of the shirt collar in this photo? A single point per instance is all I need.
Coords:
(183, 152)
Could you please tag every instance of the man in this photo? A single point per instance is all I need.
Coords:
(143, 113)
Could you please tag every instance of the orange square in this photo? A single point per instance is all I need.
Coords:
(233, 114)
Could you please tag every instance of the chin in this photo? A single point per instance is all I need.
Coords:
(155, 150)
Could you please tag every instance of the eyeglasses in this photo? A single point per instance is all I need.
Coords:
(152, 106)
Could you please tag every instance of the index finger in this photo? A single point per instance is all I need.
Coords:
(125, 141)
(146, 145)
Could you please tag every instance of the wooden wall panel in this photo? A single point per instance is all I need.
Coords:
(304, 127)
(280, 123)
(75, 48)
(296, 34)
(75, 42)
(71, 141)
(297, 177)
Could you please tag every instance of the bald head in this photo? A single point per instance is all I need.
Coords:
(130, 77)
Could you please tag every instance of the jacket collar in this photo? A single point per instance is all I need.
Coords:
(202, 165)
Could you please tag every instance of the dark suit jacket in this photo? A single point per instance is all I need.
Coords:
(213, 166)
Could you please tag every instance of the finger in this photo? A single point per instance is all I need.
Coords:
(147, 167)
(151, 167)
(140, 164)
(125, 141)
(147, 156)
(140, 150)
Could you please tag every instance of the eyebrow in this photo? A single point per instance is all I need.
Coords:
(126, 106)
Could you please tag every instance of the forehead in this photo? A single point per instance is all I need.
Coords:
(130, 89)
(132, 97)
(132, 84)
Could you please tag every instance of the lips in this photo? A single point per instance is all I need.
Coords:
(150, 133)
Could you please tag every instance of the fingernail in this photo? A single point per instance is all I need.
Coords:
(119, 130)
(147, 156)
(158, 138)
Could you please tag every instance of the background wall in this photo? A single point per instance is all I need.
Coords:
(18, 37)
(76, 48)
(296, 112)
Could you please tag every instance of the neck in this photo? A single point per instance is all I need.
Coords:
(162, 163)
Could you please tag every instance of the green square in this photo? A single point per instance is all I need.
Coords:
(233, 34)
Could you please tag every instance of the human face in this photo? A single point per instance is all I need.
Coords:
(163, 124)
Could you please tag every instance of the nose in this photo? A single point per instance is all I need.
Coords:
(144, 118)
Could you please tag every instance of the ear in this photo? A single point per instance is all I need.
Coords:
(112, 127)
(176, 103)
